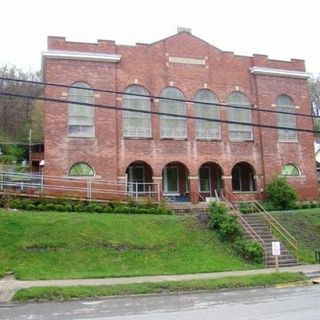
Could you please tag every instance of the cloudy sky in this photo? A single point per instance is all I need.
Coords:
(282, 29)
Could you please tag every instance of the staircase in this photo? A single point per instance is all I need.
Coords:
(188, 207)
(256, 222)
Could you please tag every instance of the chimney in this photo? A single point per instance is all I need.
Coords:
(182, 29)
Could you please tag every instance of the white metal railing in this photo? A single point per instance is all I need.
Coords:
(83, 187)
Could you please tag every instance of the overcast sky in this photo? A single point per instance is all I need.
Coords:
(281, 29)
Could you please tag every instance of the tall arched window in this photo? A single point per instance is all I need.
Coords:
(80, 117)
(285, 103)
(136, 124)
(173, 127)
(239, 132)
(81, 169)
(207, 129)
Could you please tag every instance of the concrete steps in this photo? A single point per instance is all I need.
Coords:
(286, 259)
(188, 207)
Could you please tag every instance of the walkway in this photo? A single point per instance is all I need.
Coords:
(9, 285)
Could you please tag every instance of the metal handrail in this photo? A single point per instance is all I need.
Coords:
(276, 225)
(254, 235)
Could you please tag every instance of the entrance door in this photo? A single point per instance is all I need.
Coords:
(171, 183)
(136, 177)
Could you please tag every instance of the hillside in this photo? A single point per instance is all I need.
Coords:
(52, 245)
(304, 225)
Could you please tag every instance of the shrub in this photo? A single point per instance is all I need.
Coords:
(246, 207)
(250, 250)
(281, 194)
(229, 229)
(30, 207)
(313, 205)
(217, 213)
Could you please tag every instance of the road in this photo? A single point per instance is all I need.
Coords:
(272, 303)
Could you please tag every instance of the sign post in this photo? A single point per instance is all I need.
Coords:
(276, 252)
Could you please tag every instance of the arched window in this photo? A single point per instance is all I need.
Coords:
(80, 117)
(207, 129)
(136, 124)
(285, 103)
(173, 127)
(239, 132)
(243, 177)
(290, 170)
(81, 169)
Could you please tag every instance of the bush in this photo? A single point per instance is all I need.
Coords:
(281, 194)
(229, 229)
(313, 205)
(217, 213)
(246, 207)
(62, 204)
(250, 250)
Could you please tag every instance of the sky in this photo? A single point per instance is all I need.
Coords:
(281, 29)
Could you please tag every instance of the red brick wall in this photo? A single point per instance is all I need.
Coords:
(148, 66)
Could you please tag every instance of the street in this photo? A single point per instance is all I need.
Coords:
(271, 303)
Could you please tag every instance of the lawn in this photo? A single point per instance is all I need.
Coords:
(84, 292)
(304, 225)
(54, 245)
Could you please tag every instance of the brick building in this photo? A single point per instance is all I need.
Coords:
(188, 158)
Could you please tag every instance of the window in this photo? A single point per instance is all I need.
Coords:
(81, 169)
(136, 124)
(285, 103)
(205, 181)
(173, 127)
(80, 117)
(243, 177)
(239, 132)
(290, 170)
(207, 129)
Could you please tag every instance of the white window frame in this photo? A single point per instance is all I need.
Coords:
(209, 178)
(165, 182)
(214, 133)
(130, 178)
(136, 131)
(237, 131)
(84, 130)
(172, 132)
(286, 135)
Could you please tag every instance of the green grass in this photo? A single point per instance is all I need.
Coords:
(304, 225)
(53, 245)
(82, 292)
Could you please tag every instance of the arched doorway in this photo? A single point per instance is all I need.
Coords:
(243, 177)
(175, 181)
(139, 177)
(210, 180)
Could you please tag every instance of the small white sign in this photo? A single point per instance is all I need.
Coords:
(276, 248)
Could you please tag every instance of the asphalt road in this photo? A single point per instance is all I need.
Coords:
(297, 303)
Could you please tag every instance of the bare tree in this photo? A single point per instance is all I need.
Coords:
(15, 113)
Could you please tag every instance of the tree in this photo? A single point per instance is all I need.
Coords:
(314, 88)
(16, 113)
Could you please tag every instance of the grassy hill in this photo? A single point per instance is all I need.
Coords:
(53, 245)
(304, 225)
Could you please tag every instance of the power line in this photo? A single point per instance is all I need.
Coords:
(155, 112)
(250, 107)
